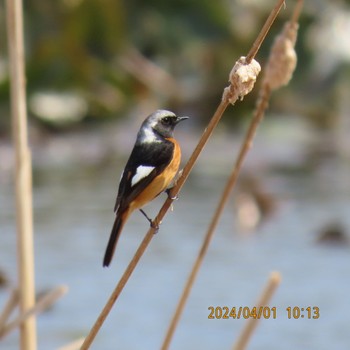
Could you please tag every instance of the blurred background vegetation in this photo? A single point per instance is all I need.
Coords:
(100, 60)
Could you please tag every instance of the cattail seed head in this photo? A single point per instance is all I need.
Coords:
(283, 59)
(242, 78)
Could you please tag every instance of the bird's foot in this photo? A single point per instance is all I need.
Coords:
(153, 223)
(170, 196)
(155, 226)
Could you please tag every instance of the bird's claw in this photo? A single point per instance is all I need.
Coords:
(155, 226)
(173, 198)
(153, 223)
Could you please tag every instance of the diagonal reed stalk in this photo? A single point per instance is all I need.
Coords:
(276, 76)
(10, 305)
(43, 303)
(264, 98)
(264, 299)
(175, 190)
(262, 104)
(264, 30)
(213, 224)
(23, 183)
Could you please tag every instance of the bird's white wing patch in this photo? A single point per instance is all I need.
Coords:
(141, 172)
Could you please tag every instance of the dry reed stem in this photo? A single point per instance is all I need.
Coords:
(167, 204)
(262, 104)
(75, 345)
(250, 325)
(260, 38)
(9, 307)
(280, 68)
(24, 210)
(43, 303)
(211, 229)
(297, 11)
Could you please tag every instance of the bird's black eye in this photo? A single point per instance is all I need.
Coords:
(167, 120)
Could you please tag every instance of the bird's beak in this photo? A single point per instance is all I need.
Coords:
(179, 119)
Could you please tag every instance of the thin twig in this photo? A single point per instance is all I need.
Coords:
(167, 204)
(44, 302)
(265, 29)
(297, 11)
(250, 325)
(9, 307)
(24, 210)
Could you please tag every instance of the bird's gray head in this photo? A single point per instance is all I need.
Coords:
(158, 125)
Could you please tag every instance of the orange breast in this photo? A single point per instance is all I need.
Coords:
(161, 182)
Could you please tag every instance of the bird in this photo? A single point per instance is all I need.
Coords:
(152, 166)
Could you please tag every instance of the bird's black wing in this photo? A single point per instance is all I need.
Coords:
(157, 155)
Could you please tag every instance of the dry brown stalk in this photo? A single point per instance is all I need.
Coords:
(24, 210)
(279, 70)
(227, 99)
(9, 307)
(44, 302)
(247, 144)
(264, 98)
(265, 29)
(297, 10)
(250, 325)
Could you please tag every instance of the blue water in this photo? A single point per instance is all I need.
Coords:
(73, 217)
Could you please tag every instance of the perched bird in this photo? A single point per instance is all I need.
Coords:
(152, 166)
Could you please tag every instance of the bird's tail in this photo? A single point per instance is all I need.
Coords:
(113, 239)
